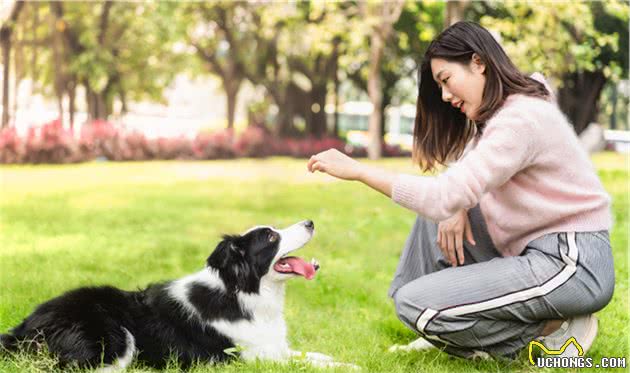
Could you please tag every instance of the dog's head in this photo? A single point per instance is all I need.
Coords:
(243, 260)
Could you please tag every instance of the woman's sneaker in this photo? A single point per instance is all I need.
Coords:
(582, 328)
(417, 345)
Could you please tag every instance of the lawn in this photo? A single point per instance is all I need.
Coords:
(130, 224)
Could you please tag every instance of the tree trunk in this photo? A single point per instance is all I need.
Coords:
(384, 104)
(72, 94)
(96, 104)
(454, 11)
(376, 96)
(613, 116)
(100, 106)
(34, 50)
(336, 112)
(18, 72)
(316, 110)
(6, 30)
(284, 125)
(579, 97)
(232, 87)
(59, 78)
(6, 55)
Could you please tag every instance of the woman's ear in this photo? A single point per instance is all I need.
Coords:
(477, 65)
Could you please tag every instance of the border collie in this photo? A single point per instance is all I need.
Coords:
(233, 307)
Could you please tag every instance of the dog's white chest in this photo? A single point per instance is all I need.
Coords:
(265, 335)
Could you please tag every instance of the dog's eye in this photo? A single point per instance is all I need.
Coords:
(273, 237)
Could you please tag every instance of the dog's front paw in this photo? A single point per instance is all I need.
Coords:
(318, 357)
(333, 364)
(347, 366)
(320, 360)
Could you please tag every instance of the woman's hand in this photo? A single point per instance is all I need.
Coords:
(451, 234)
(335, 163)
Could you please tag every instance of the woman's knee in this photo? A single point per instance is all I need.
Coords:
(410, 304)
(604, 296)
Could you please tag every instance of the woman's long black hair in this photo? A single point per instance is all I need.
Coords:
(441, 132)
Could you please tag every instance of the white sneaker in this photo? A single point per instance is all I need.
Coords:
(417, 345)
(582, 328)
(480, 355)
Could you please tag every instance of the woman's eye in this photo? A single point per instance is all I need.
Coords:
(445, 80)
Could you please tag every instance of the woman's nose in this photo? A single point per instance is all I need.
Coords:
(446, 95)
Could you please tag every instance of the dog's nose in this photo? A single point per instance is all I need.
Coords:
(309, 224)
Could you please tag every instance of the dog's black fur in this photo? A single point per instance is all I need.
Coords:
(85, 326)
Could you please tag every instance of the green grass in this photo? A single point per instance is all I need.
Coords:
(130, 224)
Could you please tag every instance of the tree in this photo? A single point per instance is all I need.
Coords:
(114, 51)
(381, 18)
(213, 30)
(289, 49)
(417, 25)
(313, 44)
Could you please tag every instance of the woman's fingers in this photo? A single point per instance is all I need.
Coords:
(311, 162)
(442, 244)
(459, 246)
(318, 166)
(315, 164)
(446, 243)
(451, 249)
(469, 234)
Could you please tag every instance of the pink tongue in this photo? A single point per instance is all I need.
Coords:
(299, 266)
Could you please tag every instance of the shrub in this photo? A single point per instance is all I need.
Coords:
(174, 148)
(11, 146)
(215, 145)
(306, 147)
(51, 143)
(254, 142)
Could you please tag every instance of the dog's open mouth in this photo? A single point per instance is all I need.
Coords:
(298, 266)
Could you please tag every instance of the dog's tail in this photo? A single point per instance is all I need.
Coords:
(8, 342)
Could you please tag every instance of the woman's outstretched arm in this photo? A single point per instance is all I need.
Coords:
(339, 165)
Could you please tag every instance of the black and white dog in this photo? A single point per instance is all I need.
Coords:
(233, 307)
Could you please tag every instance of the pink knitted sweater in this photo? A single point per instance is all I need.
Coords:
(528, 172)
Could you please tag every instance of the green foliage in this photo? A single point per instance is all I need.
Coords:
(136, 223)
(130, 54)
(292, 49)
(564, 38)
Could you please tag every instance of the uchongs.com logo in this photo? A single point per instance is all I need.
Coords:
(554, 358)
(540, 361)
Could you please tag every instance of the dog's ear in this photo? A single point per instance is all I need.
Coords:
(227, 251)
(234, 268)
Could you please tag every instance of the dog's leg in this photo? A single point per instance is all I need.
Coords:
(311, 356)
(417, 345)
(333, 364)
(320, 360)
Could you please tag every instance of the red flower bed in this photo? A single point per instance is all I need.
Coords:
(51, 143)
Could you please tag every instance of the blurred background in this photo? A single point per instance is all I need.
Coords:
(224, 79)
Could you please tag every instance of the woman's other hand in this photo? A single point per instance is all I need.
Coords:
(451, 234)
(335, 163)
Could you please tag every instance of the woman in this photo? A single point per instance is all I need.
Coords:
(511, 243)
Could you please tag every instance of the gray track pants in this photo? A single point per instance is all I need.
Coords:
(498, 304)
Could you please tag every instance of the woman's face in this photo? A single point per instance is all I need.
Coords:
(461, 85)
